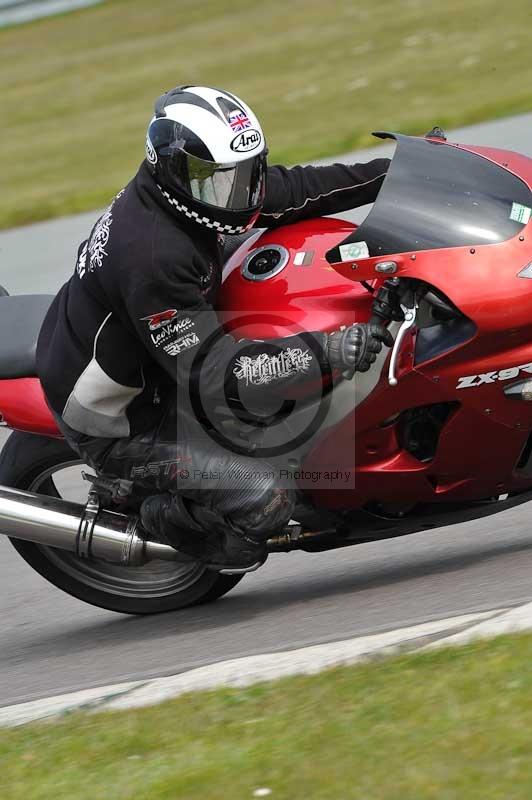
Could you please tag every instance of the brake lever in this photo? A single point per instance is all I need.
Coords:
(408, 322)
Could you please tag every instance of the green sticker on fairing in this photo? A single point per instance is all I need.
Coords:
(520, 213)
(354, 250)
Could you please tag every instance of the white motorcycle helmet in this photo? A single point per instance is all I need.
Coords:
(207, 153)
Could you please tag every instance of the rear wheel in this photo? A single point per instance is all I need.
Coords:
(49, 466)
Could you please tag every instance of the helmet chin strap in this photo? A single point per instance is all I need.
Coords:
(201, 219)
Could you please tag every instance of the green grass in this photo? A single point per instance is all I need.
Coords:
(77, 90)
(449, 725)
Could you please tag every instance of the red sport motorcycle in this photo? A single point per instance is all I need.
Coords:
(437, 432)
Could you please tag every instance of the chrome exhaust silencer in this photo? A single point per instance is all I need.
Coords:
(88, 531)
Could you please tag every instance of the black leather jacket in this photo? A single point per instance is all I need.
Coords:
(140, 304)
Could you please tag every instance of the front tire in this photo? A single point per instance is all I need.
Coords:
(35, 463)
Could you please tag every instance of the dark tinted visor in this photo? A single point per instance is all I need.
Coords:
(236, 186)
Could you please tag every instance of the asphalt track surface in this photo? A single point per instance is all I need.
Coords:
(51, 643)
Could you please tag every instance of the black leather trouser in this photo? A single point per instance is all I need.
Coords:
(212, 488)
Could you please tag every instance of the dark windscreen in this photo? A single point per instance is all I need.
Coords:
(436, 195)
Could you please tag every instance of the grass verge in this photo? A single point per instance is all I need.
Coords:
(77, 90)
(449, 724)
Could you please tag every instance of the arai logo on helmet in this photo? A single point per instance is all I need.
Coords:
(246, 141)
(151, 155)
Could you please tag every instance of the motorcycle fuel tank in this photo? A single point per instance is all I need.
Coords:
(281, 284)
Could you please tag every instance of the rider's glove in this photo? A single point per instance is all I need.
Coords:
(357, 346)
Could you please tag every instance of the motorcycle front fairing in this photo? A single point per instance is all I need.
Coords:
(456, 219)
(448, 217)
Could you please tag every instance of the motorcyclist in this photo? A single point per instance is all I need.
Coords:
(126, 329)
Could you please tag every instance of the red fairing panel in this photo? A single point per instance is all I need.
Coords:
(23, 407)
(481, 443)
(484, 283)
(483, 438)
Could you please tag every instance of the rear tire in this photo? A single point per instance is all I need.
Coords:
(28, 462)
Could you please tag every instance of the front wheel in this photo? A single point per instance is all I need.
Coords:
(49, 466)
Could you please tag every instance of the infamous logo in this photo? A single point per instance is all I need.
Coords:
(239, 121)
(159, 319)
(266, 368)
(151, 155)
(295, 422)
(246, 141)
(471, 381)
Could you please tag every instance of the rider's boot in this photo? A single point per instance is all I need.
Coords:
(185, 527)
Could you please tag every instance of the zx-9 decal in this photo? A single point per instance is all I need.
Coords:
(470, 381)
